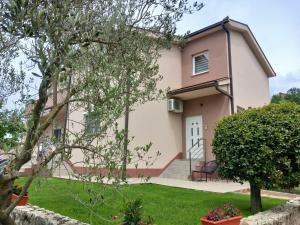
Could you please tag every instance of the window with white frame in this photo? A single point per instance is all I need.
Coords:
(200, 63)
(91, 122)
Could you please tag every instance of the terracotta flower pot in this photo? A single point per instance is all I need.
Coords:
(231, 221)
(23, 201)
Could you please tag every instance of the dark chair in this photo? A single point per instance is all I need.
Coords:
(208, 168)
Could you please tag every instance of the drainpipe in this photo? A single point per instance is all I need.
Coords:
(226, 20)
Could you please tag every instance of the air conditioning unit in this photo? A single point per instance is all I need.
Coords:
(175, 105)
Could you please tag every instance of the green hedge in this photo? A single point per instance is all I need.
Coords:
(261, 146)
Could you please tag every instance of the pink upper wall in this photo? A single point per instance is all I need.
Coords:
(216, 45)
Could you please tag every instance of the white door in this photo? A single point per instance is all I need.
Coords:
(194, 137)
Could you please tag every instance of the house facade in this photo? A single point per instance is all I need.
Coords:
(220, 70)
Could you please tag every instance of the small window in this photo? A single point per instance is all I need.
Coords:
(200, 63)
(239, 109)
(91, 123)
(57, 134)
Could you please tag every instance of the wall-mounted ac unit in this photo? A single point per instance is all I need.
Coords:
(175, 105)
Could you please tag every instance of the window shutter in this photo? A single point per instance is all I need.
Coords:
(201, 63)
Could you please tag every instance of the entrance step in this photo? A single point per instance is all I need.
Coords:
(179, 169)
(63, 170)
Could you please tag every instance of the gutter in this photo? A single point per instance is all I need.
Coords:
(206, 28)
(223, 92)
(226, 20)
(192, 88)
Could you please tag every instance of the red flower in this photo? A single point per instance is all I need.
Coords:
(227, 211)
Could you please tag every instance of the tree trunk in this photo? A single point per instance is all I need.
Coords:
(125, 150)
(255, 197)
(5, 194)
(7, 221)
(126, 126)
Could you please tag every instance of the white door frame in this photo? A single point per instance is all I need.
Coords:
(194, 132)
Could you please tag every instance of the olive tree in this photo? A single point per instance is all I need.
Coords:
(260, 145)
(105, 53)
(11, 129)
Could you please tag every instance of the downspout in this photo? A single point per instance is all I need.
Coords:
(226, 20)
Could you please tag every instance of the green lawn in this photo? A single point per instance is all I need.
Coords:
(167, 205)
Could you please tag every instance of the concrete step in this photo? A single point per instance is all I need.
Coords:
(62, 170)
(179, 169)
(27, 165)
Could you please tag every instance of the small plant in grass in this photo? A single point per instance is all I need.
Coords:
(133, 214)
(17, 189)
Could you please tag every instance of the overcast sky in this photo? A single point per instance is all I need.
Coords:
(275, 24)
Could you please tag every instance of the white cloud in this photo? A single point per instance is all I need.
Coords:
(282, 83)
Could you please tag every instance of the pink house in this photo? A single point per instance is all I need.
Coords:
(220, 70)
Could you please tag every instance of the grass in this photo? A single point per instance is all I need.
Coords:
(167, 205)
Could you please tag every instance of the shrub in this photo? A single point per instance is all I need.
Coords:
(133, 212)
(261, 146)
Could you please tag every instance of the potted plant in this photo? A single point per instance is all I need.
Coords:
(228, 215)
(16, 192)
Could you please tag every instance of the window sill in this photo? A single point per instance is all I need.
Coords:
(196, 74)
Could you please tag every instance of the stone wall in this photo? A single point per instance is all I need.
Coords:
(33, 215)
(287, 214)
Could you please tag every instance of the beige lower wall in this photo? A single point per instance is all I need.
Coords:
(150, 122)
(212, 108)
(153, 123)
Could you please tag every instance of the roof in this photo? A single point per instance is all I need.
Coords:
(245, 30)
(202, 30)
(212, 83)
(203, 89)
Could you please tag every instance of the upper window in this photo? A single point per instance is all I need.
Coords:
(91, 122)
(57, 134)
(200, 63)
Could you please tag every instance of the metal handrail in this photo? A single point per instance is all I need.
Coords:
(190, 152)
(3, 163)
